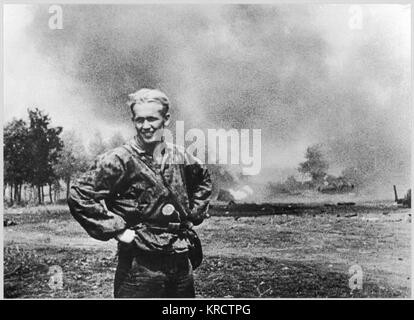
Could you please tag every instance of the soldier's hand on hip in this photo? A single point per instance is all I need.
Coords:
(126, 236)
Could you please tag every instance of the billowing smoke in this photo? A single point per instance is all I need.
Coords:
(298, 72)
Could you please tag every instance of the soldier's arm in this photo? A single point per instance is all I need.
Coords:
(87, 198)
(200, 187)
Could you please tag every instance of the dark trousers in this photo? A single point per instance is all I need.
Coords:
(153, 275)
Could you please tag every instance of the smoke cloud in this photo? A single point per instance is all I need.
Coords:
(298, 72)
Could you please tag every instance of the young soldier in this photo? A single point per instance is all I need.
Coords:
(146, 194)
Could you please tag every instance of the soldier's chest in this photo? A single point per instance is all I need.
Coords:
(149, 176)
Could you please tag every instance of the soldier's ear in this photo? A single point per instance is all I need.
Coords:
(133, 116)
(167, 119)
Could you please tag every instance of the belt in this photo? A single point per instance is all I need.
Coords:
(173, 227)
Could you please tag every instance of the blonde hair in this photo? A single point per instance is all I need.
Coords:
(149, 95)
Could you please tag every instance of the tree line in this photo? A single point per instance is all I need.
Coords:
(314, 172)
(40, 158)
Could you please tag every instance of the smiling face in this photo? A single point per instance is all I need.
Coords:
(149, 121)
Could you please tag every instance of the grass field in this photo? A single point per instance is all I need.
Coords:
(289, 256)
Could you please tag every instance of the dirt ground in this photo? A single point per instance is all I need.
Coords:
(290, 256)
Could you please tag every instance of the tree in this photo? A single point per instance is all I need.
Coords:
(116, 140)
(44, 147)
(16, 156)
(97, 146)
(315, 165)
(353, 176)
(72, 159)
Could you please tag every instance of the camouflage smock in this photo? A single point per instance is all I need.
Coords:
(131, 184)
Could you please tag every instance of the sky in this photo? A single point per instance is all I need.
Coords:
(338, 75)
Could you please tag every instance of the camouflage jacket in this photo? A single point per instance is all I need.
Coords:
(131, 184)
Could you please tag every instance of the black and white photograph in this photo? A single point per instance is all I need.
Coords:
(207, 150)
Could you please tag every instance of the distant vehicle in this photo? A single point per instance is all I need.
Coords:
(333, 184)
(404, 202)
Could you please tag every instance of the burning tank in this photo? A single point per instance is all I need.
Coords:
(333, 184)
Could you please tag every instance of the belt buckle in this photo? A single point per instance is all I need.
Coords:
(168, 209)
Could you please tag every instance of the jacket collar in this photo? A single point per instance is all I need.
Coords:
(137, 148)
(135, 145)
